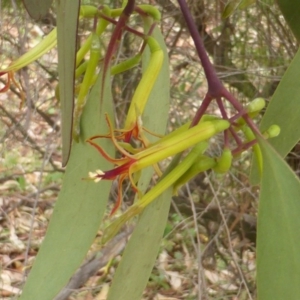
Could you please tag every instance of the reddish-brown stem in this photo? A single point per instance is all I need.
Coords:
(225, 117)
(126, 27)
(237, 116)
(120, 195)
(149, 33)
(239, 107)
(202, 109)
(222, 108)
(95, 23)
(216, 89)
(243, 147)
(235, 136)
(115, 38)
(214, 83)
(140, 12)
(231, 129)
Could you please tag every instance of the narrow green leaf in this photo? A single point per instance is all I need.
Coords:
(37, 9)
(284, 111)
(278, 236)
(245, 3)
(79, 208)
(67, 20)
(290, 10)
(140, 254)
(230, 8)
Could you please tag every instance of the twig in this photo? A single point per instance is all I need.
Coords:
(44, 115)
(201, 276)
(229, 240)
(96, 262)
(27, 137)
(28, 199)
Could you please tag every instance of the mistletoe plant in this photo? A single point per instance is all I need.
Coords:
(140, 143)
(197, 132)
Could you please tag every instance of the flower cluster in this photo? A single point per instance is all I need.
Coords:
(133, 160)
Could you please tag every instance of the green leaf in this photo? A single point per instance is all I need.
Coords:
(229, 9)
(37, 9)
(278, 239)
(245, 3)
(284, 111)
(233, 5)
(140, 254)
(290, 10)
(79, 208)
(67, 21)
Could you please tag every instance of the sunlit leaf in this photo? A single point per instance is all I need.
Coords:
(140, 254)
(67, 20)
(37, 9)
(278, 236)
(78, 211)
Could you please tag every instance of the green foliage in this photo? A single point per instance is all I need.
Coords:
(278, 244)
(37, 8)
(290, 9)
(131, 278)
(133, 272)
(233, 5)
(81, 203)
(78, 211)
(284, 108)
(53, 177)
(66, 42)
(22, 182)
